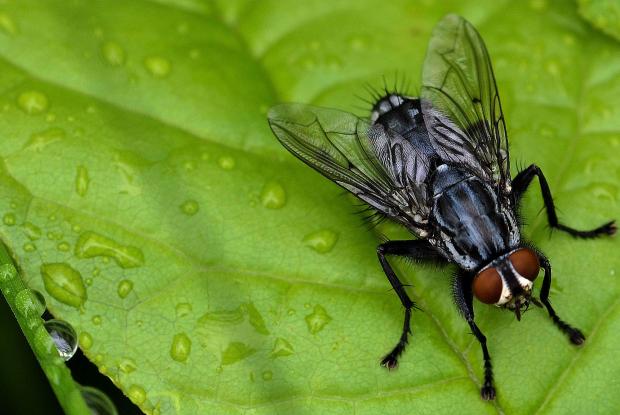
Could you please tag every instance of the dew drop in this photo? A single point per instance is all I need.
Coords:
(291, 312)
(85, 340)
(29, 247)
(267, 375)
(63, 246)
(32, 102)
(603, 191)
(281, 348)
(7, 24)
(127, 365)
(190, 207)
(124, 288)
(54, 235)
(81, 181)
(91, 244)
(226, 162)
(317, 320)
(181, 347)
(113, 53)
(97, 401)
(157, 66)
(88, 281)
(98, 358)
(612, 272)
(7, 272)
(64, 283)
(9, 219)
(321, 241)
(63, 336)
(96, 320)
(137, 394)
(235, 352)
(273, 195)
(39, 140)
(183, 309)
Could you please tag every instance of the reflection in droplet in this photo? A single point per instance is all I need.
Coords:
(63, 336)
(97, 401)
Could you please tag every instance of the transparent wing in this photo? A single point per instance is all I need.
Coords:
(461, 104)
(377, 165)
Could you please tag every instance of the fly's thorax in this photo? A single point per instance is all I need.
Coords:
(507, 280)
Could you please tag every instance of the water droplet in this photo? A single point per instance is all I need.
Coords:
(190, 207)
(273, 195)
(612, 272)
(157, 66)
(235, 352)
(267, 375)
(181, 347)
(7, 25)
(64, 284)
(7, 272)
(137, 394)
(321, 241)
(91, 244)
(97, 401)
(222, 317)
(281, 348)
(256, 319)
(127, 365)
(317, 320)
(183, 309)
(226, 162)
(88, 281)
(124, 288)
(32, 102)
(96, 319)
(113, 53)
(98, 358)
(63, 336)
(63, 246)
(38, 141)
(603, 191)
(291, 312)
(85, 340)
(29, 247)
(32, 231)
(55, 235)
(9, 219)
(81, 181)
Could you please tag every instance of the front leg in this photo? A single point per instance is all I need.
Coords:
(574, 335)
(520, 184)
(419, 250)
(463, 297)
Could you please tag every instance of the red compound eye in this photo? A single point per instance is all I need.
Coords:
(525, 261)
(487, 286)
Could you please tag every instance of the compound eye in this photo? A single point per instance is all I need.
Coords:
(525, 261)
(488, 286)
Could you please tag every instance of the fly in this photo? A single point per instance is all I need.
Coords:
(439, 165)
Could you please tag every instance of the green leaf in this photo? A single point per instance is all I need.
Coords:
(602, 14)
(223, 276)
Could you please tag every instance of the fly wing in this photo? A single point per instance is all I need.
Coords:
(461, 105)
(376, 164)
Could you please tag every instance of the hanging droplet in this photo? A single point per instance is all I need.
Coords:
(63, 336)
(97, 401)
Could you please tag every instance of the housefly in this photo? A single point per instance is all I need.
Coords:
(439, 165)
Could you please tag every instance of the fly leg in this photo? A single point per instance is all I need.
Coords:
(520, 185)
(574, 335)
(419, 250)
(463, 297)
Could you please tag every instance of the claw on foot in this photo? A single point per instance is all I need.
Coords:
(487, 392)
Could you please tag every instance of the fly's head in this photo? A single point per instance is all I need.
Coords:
(507, 281)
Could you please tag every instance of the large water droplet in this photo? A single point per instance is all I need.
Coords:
(137, 394)
(321, 241)
(38, 141)
(317, 320)
(157, 66)
(183, 309)
(86, 340)
(91, 244)
(7, 24)
(272, 195)
(64, 284)
(63, 336)
(97, 401)
(181, 347)
(7, 272)
(281, 348)
(226, 162)
(190, 207)
(81, 181)
(124, 288)
(127, 365)
(9, 219)
(113, 53)
(32, 231)
(235, 352)
(32, 102)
